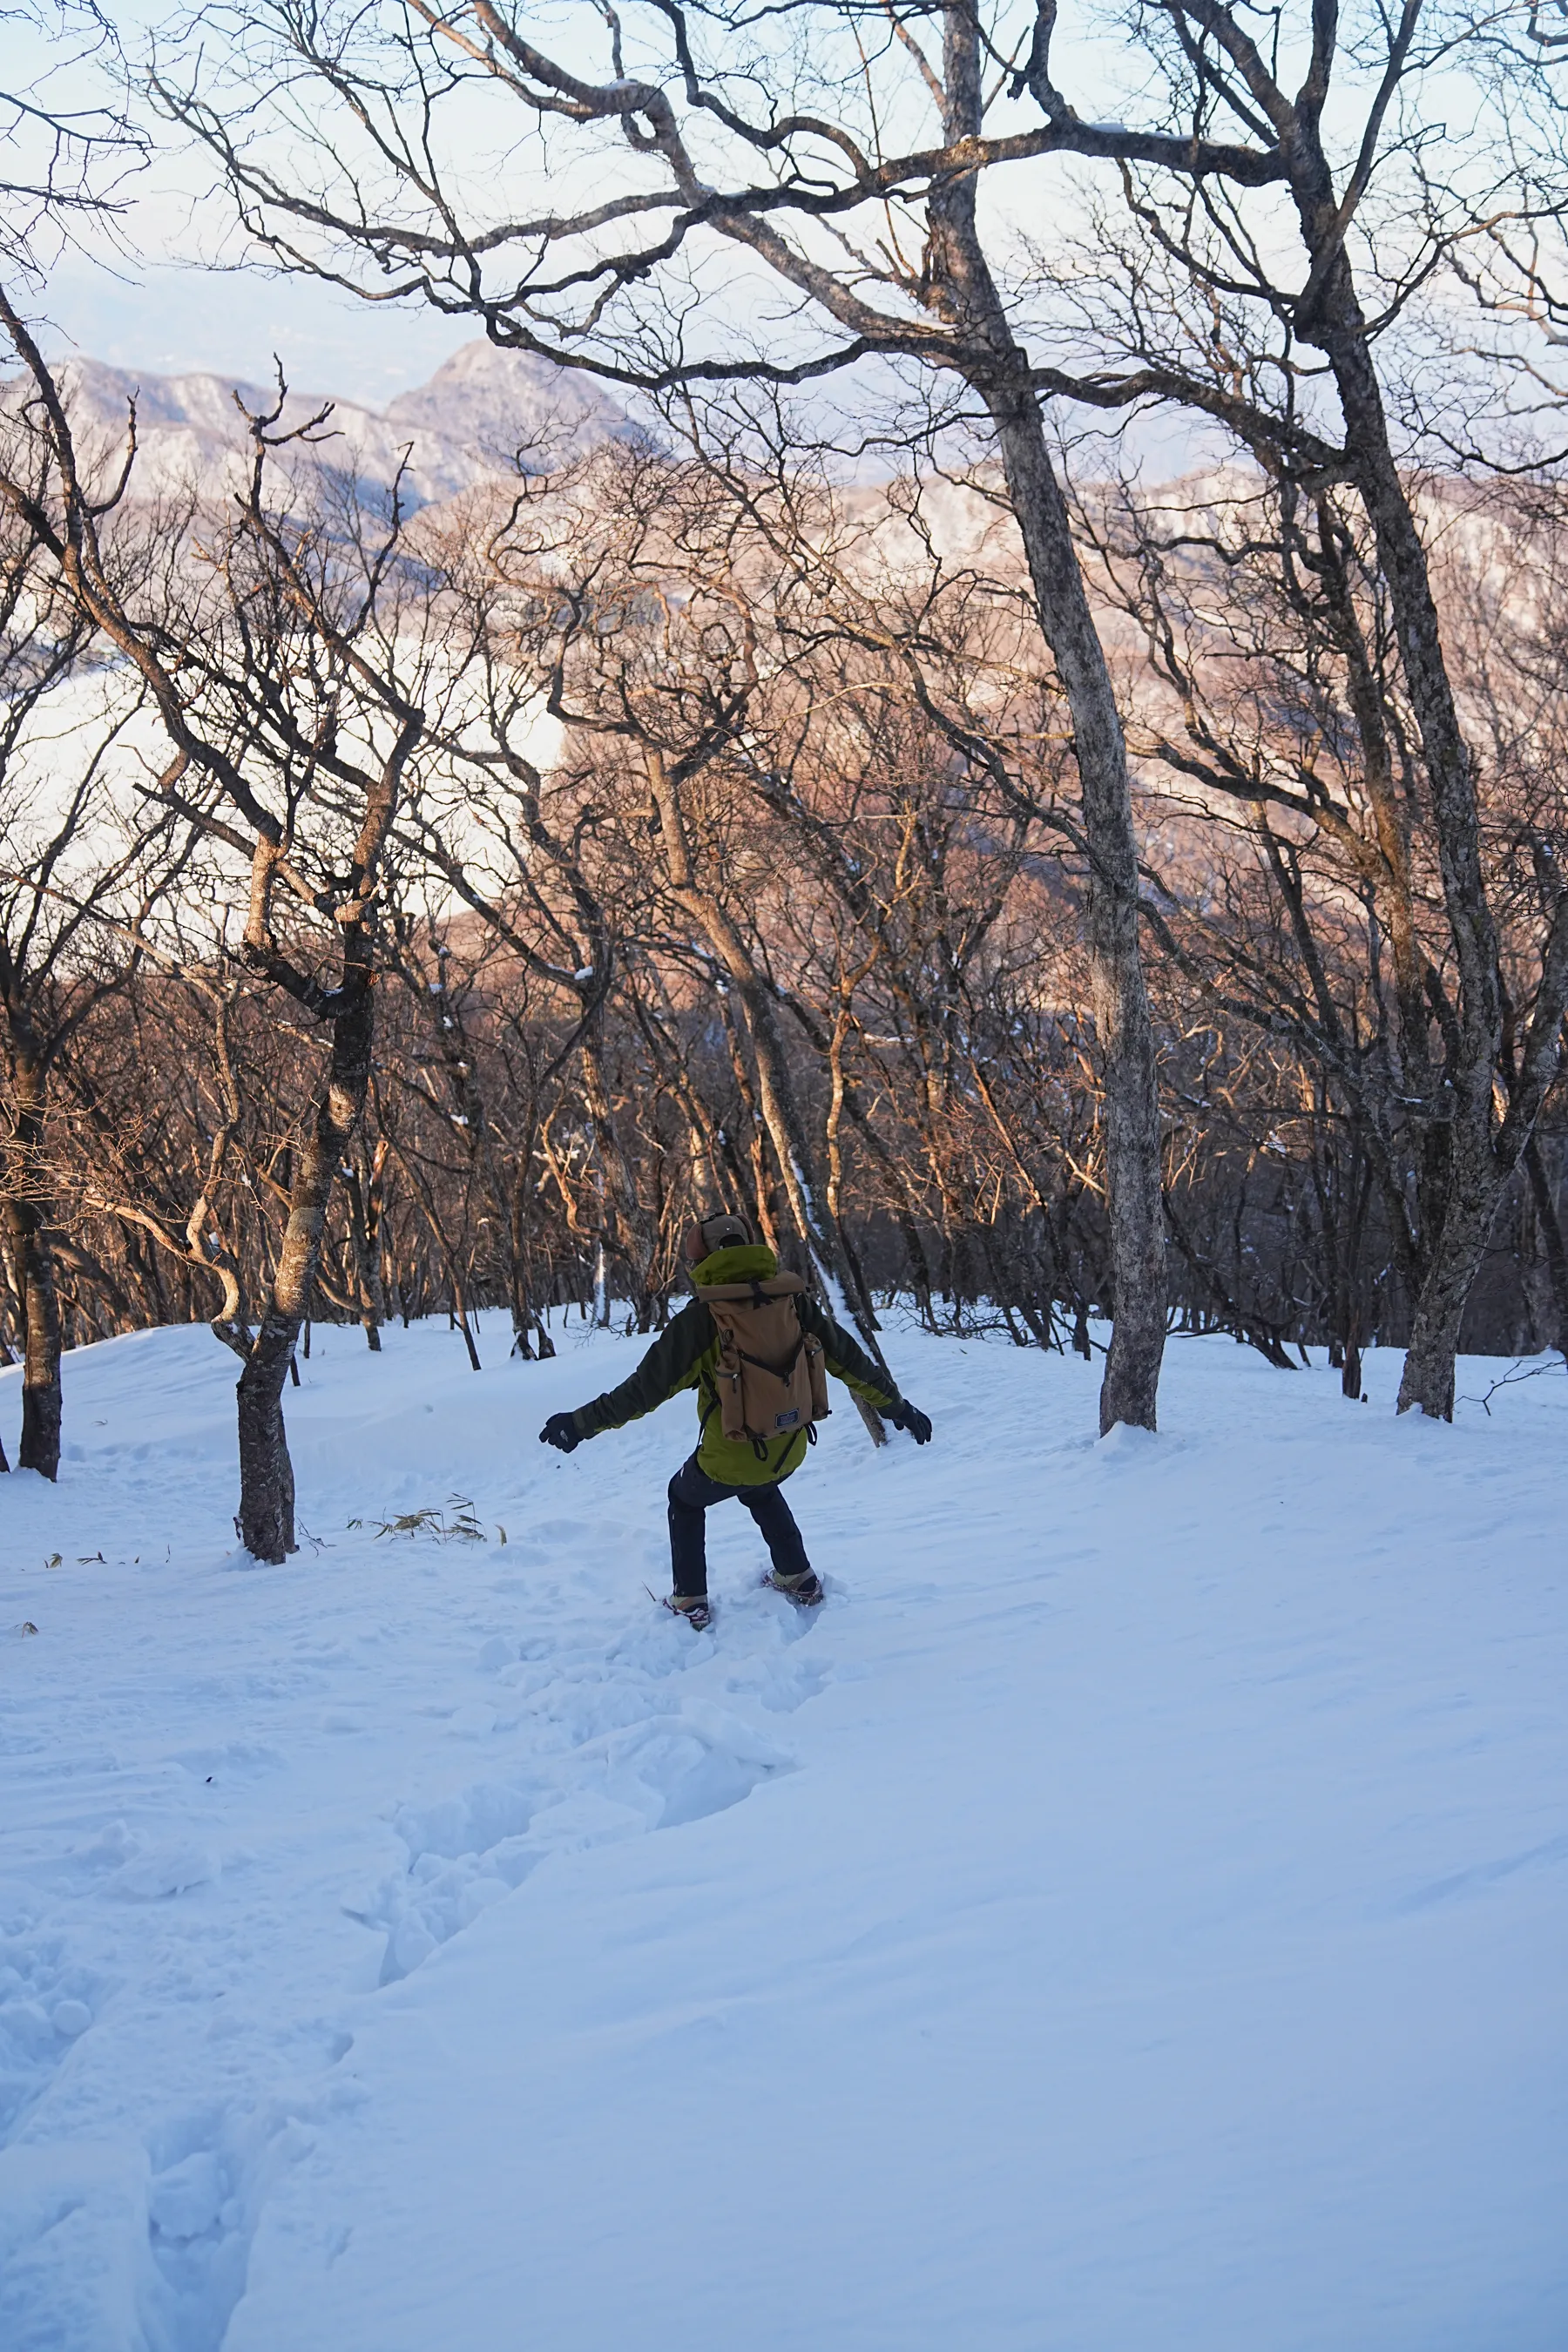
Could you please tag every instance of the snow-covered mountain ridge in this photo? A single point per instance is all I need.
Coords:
(484, 412)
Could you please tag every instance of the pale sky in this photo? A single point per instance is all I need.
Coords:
(154, 306)
(150, 305)
(171, 318)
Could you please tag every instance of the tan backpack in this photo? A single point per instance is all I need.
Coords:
(771, 1376)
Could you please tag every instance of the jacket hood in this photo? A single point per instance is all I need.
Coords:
(739, 1262)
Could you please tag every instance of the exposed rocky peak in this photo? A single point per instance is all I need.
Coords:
(505, 407)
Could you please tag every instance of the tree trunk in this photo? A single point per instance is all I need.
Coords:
(1123, 1027)
(1549, 1226)
(1476, 1175)
(40, 1446)
(265, 1520)
(524, 1310)
(27, 1224)
(364, 1217)
(964, 289)
(460, 1305)
(629, 1225)
(1476, 1172)
(1427, 1378)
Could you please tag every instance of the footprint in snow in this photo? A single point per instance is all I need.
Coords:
(657, 1770)
(47, 2003)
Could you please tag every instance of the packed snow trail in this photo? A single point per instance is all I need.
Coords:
(1130, 1912)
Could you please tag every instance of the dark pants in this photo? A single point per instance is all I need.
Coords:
(692, 1492)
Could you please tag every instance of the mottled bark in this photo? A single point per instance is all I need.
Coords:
(1428, 1378)
(1476, 1174)
(755, 1140)
(1480, 1163)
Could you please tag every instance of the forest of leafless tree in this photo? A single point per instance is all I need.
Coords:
(1078, 903)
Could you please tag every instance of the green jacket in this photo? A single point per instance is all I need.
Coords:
(684, 1357)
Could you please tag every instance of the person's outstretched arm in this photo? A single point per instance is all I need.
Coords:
(670, 1366)
(848, 1361)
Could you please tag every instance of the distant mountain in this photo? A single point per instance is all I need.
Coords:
(482, 413)
(502, 406)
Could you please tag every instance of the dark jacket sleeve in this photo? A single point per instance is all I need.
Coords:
(670, 1366)
(845, 1359)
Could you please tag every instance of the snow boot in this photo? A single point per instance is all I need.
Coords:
(805, 1590)
(694, 1607)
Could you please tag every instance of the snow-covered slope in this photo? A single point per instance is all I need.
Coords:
(1127, 1917)
(483, 411)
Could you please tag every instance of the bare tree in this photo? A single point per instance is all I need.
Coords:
(1279, 258)
(883, 250)
(77, 876)
(68, 142)
(126, 1182)
(278, 679)
(638, 639)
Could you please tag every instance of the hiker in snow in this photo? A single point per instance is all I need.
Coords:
(757, 1350)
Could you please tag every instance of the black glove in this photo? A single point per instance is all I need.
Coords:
(908, 1416)
(562, 1430)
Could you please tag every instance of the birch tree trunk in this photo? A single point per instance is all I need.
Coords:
(1480, 1159)
(964, 289)
(1119, 1000)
